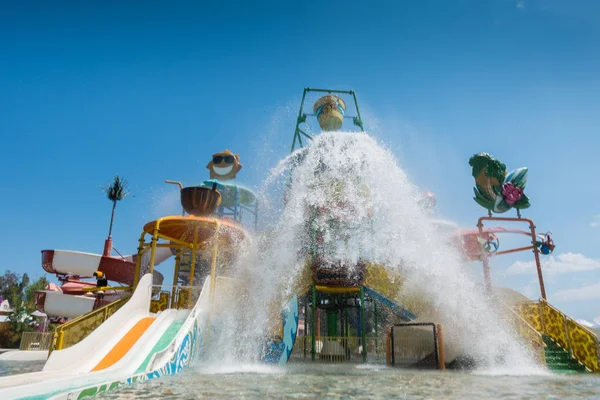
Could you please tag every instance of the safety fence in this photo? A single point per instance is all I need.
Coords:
(581, 343)
(531, 335)
(338, 349)
(173, 297)
(416, 345)
(76, 330)
(35, 341)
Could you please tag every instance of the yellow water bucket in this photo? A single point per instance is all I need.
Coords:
(330, 111)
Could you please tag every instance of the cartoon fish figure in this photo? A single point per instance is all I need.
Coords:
(224, 166)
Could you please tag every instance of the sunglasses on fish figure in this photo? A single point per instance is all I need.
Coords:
(228, 159)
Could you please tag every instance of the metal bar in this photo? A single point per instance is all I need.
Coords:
(138, 261)
(328, 91)
(499, 253)
(298, 121)
(442, 361)
(305, 134)
(193, 259)
(376, 327)
(153, 250)
(172, 245)
(357, 109)
(213, 264)
(393, 358)
(435, 346)
(538, 264)
(363, 324)
(345, 116)
(313, 332)
(533, 242)
(175, 276)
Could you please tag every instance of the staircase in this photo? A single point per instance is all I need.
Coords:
(559, 360)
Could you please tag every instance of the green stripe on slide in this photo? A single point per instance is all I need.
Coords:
(162, 344)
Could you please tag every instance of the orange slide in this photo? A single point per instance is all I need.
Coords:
(123, 346)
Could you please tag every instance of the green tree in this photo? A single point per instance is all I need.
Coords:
(21, 297)
(116, 191)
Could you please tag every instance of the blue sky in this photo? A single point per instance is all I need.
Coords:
(93, 89)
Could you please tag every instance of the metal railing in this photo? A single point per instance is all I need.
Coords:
(35, 341)
(76, 330)
(173, 297)
(581, 343)
(338, 349)
(533, 338)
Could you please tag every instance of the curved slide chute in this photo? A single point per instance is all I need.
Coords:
(69, 300)
(132, 345)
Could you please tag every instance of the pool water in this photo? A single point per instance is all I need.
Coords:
(342, 381)
(20, 367)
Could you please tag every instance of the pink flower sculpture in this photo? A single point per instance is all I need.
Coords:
(511, 193)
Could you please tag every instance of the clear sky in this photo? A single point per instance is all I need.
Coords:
(149, 90)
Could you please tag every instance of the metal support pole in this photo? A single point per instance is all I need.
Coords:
(362, 324)
(440, 343)
(153, 250)
(299, 121)
(376, 327)
(533, 242)
(213, 264)
(538, 264)
(193, 259)
(388, 346)
(357, 112)
(313, 327)
(138, 261)
(175, 276)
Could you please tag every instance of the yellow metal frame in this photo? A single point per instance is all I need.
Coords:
(195, 245)
(105, 288)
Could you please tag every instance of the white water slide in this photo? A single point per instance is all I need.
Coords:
(122, 270)
(132, 345)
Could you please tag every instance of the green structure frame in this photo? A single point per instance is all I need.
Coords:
(299, 133)
(361, 296)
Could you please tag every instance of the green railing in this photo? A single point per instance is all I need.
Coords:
(76, 330)
(338, 349)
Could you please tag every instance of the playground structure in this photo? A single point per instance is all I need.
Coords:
(347, 309)
(151, 330)
(561, 342)
(339, 311)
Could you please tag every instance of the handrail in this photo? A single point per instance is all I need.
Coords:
(519, 317)
(576, 343)
(529, 327)
(583, 327)
(79, 328)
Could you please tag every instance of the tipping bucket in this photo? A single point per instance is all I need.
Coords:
(330, 112)
(200, 201)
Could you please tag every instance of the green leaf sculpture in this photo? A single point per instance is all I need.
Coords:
(495, 190)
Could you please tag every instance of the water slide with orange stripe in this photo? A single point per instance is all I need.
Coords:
(132, 345)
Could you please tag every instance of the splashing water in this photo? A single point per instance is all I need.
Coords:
(368, 209)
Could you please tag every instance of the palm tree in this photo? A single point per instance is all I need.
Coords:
(115, 191)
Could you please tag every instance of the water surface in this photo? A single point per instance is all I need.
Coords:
(305, 381)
